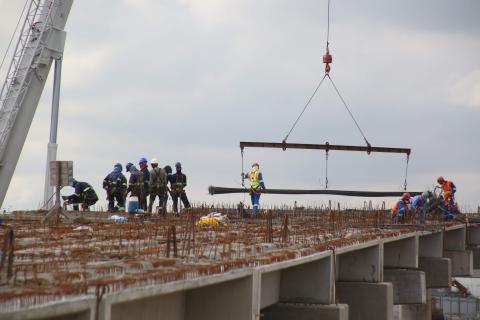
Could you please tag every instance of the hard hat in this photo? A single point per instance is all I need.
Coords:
(168, 169)
(142, 160)
(255, 164)
(118, 164)
(128, 166)
(178, 165)
(154, 161)
(425, 194)
(406, 196)
(440, 180)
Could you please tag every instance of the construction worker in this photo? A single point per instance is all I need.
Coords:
(448, 190)
(418, 204)
(158, 187)
(255, 179)
(135, 184)
(84, 195)
(116, 185)
(146, 180)
(400, 208)
(168, 170)
(177, 185)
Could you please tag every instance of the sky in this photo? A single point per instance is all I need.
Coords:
(187, 80)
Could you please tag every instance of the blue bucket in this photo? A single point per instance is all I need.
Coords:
(132, 205)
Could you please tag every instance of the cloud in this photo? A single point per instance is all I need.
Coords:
(466, 91)
(187, 80)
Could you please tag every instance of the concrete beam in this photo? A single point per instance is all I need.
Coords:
(298, 311)
(438, 271)
(401, 253)
(373, 301)
(473, 235)
(365, 265)
(455, 239)
(72, 309)
(462, 262)
(409, 286)
(310, 282)
(169, 306)
(476, 257)
(229, 300)
(431, 245)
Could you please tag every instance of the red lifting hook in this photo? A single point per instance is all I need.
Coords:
(327, 59)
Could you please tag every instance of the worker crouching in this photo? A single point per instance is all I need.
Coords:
(418, 205)
(84, 195)
(255, 179)
(400, 208)
(448, 191)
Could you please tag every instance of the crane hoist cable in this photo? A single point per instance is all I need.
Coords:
(327, 59)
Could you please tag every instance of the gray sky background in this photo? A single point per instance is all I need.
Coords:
(187, 80)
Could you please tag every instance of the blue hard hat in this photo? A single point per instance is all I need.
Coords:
(168, 169)
(118, 165)
(128, 165)
(178, 165)
(142, 160)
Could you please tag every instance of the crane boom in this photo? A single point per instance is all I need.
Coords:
(41, 40)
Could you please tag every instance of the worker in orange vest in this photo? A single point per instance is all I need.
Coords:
(448, 190)
(400, 208)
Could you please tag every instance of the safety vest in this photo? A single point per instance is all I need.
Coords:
(447, 187)
(397, 205)
(253, 179)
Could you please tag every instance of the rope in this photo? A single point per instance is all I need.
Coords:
(326, 169)
(406, 174)
(304, 108)
(243, 180)
(348, 109)
(13, 35)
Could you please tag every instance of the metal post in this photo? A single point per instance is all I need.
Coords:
(52, 144)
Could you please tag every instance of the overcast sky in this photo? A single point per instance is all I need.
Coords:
(187, 80)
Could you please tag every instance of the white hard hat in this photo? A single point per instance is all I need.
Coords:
(154, 161)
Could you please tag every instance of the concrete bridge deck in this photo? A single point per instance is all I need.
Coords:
(360, 280)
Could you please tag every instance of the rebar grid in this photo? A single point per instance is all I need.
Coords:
(49, 262)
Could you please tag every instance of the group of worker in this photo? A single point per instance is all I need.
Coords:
(417, 205)
(143, 185)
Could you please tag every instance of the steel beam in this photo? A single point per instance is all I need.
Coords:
(352, 193)
(326, 147)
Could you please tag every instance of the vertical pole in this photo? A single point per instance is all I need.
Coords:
(52, 144)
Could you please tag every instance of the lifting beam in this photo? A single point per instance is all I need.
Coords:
(327, 147)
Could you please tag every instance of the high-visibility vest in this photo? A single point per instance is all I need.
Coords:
(397, 205)
(447, 187)
(253, 179)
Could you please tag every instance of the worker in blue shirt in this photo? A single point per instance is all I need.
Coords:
(255, 179)
(400, 208)
(419, 205)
